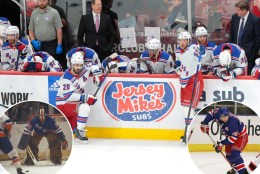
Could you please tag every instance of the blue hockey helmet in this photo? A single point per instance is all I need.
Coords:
(223, 111)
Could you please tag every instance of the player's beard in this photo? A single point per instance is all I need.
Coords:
(77, 71)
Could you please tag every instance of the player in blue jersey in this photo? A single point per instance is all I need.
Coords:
(159, 61)
(89, 56)
(72, 97)
(40, 62)
(5, 144)
(229, 61)
(202, 39)
(41, 126)
(236, 136)
(115, 58)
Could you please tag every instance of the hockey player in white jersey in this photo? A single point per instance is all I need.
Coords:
(202, 39)
(5, 144)
(40, 62)
(187, 56)
(138, 67)
(72, 98)
(2, 35)
(114, 59)
(229, 61)
(13, 51)
(256, 69)
(253, 165)
(159, 61)
(89, 55)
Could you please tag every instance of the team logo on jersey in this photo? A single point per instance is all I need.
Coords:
(139, 101)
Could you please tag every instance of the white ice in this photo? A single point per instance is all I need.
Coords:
(121, 156)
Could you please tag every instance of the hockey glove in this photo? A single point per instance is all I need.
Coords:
(22, 50)
(24, 141)
(204, 127)
(88, 98)
(218, 147)
(59, 49)
(64, 145)
(36, 44)
(227, 77)
(217, 72)
(97, 77)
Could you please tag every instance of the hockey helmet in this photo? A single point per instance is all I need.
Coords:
(257, 61)
(184, 35)
(201, 31)
(42, 111)
(77, 58)
(153, 44)
(225, 58)
(2, 31)
(36, 58)
(223, 111)
(115, 70)
(13, 30)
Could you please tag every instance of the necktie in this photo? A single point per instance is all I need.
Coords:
(97, 23)
(240, 32)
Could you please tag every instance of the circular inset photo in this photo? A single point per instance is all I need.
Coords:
(224, 138)
(35, 138)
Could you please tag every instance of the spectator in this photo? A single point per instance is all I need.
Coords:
(107, 5)
(159, 61)
(45, 29)
(101, 37)
(245, 32)
(66, 41)
(229, 61)
(202, 39)
(13, 51)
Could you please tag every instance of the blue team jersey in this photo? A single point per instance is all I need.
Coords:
(233, 128)
(48, 125)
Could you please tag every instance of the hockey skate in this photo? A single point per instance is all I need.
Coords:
(81, 136)
(19, 171)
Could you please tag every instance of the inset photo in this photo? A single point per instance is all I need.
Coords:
(35, 138)
(224, 137)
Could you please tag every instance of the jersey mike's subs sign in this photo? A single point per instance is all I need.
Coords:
(138, 101)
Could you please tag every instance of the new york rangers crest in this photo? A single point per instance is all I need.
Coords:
(139, 101)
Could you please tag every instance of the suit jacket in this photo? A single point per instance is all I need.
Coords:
(250, 40)
(87, 31)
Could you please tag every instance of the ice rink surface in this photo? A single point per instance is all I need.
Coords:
(120, 156)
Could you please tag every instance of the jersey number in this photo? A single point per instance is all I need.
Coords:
(66, 86)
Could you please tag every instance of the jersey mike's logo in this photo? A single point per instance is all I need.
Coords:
(139, 101)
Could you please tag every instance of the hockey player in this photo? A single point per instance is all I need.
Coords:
(202, 39)
(41, 126)
(5, 144)
(229, 61)
(72, 98)
(253, 165)
(159, 61)
(115, 58)
(134, 66)
(89, 55)
(2, 35)
(256, 69)
(236, 136)
(186, 66)
(40, 62)
(13, 51)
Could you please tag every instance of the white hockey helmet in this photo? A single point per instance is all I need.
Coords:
(2, 31)
(257, 61)
(77, 58)
(36, 59)
(115, 70)
(184, 35)
(153, 44)
(225, 58)
(201, 31)
(13, 30)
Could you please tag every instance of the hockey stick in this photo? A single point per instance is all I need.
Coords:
(223, 154)
(117, 65)
(191, 132)
(28, 149)
(192, 97)
(30, 44)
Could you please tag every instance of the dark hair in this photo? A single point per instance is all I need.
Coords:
(243, 5)
(93, 2)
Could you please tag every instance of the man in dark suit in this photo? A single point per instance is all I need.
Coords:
(245, 31)
(96, 31)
